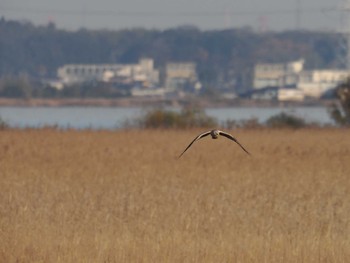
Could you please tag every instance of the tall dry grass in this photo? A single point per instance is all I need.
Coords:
(84, 196)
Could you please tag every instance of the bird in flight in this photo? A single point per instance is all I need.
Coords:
(214, 135)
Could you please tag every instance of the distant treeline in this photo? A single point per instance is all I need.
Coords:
(222, 56)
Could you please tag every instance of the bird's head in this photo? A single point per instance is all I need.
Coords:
(215, 134)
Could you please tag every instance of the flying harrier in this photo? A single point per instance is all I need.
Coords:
(214, 135)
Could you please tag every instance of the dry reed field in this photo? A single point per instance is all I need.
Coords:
(123, 196)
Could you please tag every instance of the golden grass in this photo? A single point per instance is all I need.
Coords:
(84, 196)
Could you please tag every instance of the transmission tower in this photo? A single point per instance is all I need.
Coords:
(298, 15)
(345, 34)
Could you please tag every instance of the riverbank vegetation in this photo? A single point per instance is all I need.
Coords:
(196, 118)
(186, 118)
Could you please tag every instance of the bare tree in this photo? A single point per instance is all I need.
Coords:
(340, 112)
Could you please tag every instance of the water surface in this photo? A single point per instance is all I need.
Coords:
(115, 117)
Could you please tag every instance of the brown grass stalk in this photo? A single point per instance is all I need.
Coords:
(103, 196)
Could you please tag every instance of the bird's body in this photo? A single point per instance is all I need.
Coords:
(214, 135)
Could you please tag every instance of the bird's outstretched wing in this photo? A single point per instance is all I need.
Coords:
(229, 136)
(195, 139)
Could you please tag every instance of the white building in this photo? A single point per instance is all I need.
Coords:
(142, 72)
(314, 83)
(180, 74)
(307, 83)
(277, 74)
(290, 95)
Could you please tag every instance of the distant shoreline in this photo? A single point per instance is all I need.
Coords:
(153, 102)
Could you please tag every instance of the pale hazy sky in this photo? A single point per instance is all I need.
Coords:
(162, 14)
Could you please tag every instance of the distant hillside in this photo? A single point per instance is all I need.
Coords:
(221, 55)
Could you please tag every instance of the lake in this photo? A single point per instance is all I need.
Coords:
(115, 117)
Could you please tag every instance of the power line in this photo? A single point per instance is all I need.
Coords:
(158, 13)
